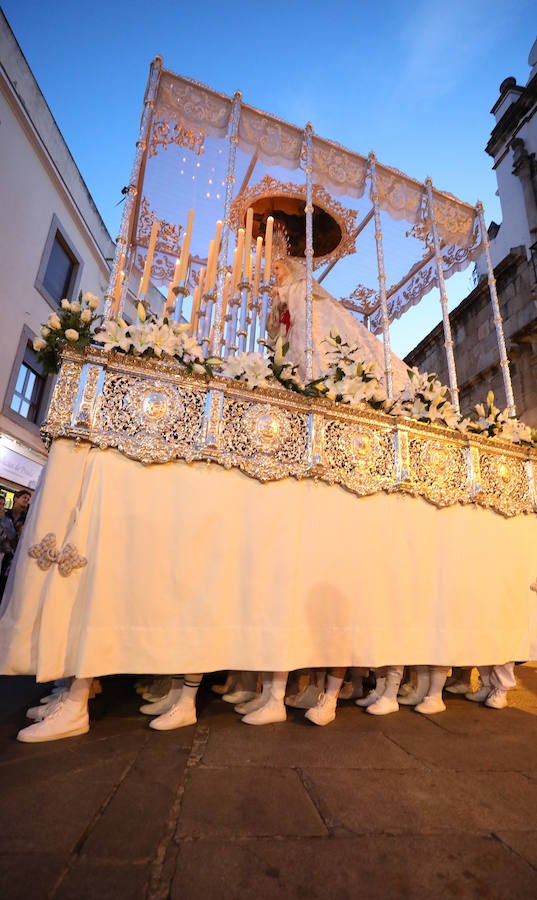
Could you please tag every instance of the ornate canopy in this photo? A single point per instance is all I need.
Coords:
(218, 155)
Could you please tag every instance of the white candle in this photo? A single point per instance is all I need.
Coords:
(248, 236)
(210, 267)
(268, 248)
(258, 252)
(217, 235)
(144, 282)
(235, 271)
(240, 250)
(227, 285)
(185, 247)
(212, 261)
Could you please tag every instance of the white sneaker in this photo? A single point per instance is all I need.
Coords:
(55, 692)
(272, 711)
(68, 719)
(411, 699)
(382, 707)
(179, 715)
(163, 705)
(37, 713)
(305, 699)
(240, 696)
(480, 695)
(370, 698)
(430, 705)
(324, 712)
(159, 688)
(251, 706)
(459, 687)
(497, 699)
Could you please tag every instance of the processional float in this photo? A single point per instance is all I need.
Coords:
(189, 523)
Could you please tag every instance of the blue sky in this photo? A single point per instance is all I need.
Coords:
(413, 81)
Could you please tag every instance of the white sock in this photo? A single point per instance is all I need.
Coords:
(333, 686)
(278, 685)
(79, 690)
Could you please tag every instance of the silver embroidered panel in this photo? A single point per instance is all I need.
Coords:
(153, 412)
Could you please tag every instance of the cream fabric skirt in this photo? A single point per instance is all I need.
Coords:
(193, 568)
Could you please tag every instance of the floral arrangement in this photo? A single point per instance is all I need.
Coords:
(156, 336)
(74, 323)
(349, 379)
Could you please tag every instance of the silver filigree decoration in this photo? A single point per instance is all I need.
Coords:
(152, 411)
(46, 553)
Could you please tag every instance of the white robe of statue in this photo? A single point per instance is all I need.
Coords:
(327, 314)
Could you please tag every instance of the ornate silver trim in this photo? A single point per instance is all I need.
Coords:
(154, 412)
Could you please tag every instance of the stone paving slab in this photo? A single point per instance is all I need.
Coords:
(241, 802)
(373, 867)
(523, 843)
(103, 881)
(135, 821)
(29, 874)
(308, 745)
(52, 815)
(424, 802)
(469, 752)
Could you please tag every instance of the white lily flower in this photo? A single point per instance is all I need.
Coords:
(163, 340)
(114, 336)
(189, 347)
(233, 366)
(140, 338)
(256, 369)
(420, 410)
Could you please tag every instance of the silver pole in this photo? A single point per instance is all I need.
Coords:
(448, 338)
(381, 276)
(309, 251)
(500, 336)
(113, 305)
(224, 245)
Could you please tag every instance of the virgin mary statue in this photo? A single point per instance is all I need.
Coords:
(287, 318)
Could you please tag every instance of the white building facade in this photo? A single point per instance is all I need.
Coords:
(53, 244)
(513, 247)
